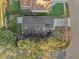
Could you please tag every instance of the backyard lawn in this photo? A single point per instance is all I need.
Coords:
(57, 10)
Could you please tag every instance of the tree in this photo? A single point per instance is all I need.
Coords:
(6, 37)
(14, 27)
(15, 6)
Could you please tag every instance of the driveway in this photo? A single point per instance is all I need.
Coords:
(73, 50)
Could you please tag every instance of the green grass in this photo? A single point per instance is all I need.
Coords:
(57, 10)
(16, 6)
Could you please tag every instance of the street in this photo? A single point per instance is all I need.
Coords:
(73, 50)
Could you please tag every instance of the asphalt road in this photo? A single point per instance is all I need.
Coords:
(73, 50)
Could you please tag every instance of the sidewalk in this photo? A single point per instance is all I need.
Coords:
(73, 50)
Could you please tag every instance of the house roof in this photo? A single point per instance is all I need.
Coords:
(38, 20)
(43, 20)
(38, 23)
(25, 2)
(60, 22)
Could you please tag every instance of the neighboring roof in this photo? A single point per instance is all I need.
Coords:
(59, 0)
(36, 4)
(41, 4)
(25, 2)
(60, 22)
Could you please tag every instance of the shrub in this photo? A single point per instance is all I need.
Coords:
(16, 6)
(6, 37)
(41, 14)
(67, 10)
(14, 27)
(27, 49)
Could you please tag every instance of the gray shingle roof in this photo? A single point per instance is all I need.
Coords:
(38, 20)
(60, 22)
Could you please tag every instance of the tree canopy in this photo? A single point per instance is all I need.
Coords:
(15, 6)
(6, 37)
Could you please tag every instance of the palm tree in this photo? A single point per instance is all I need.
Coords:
(3, 4)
